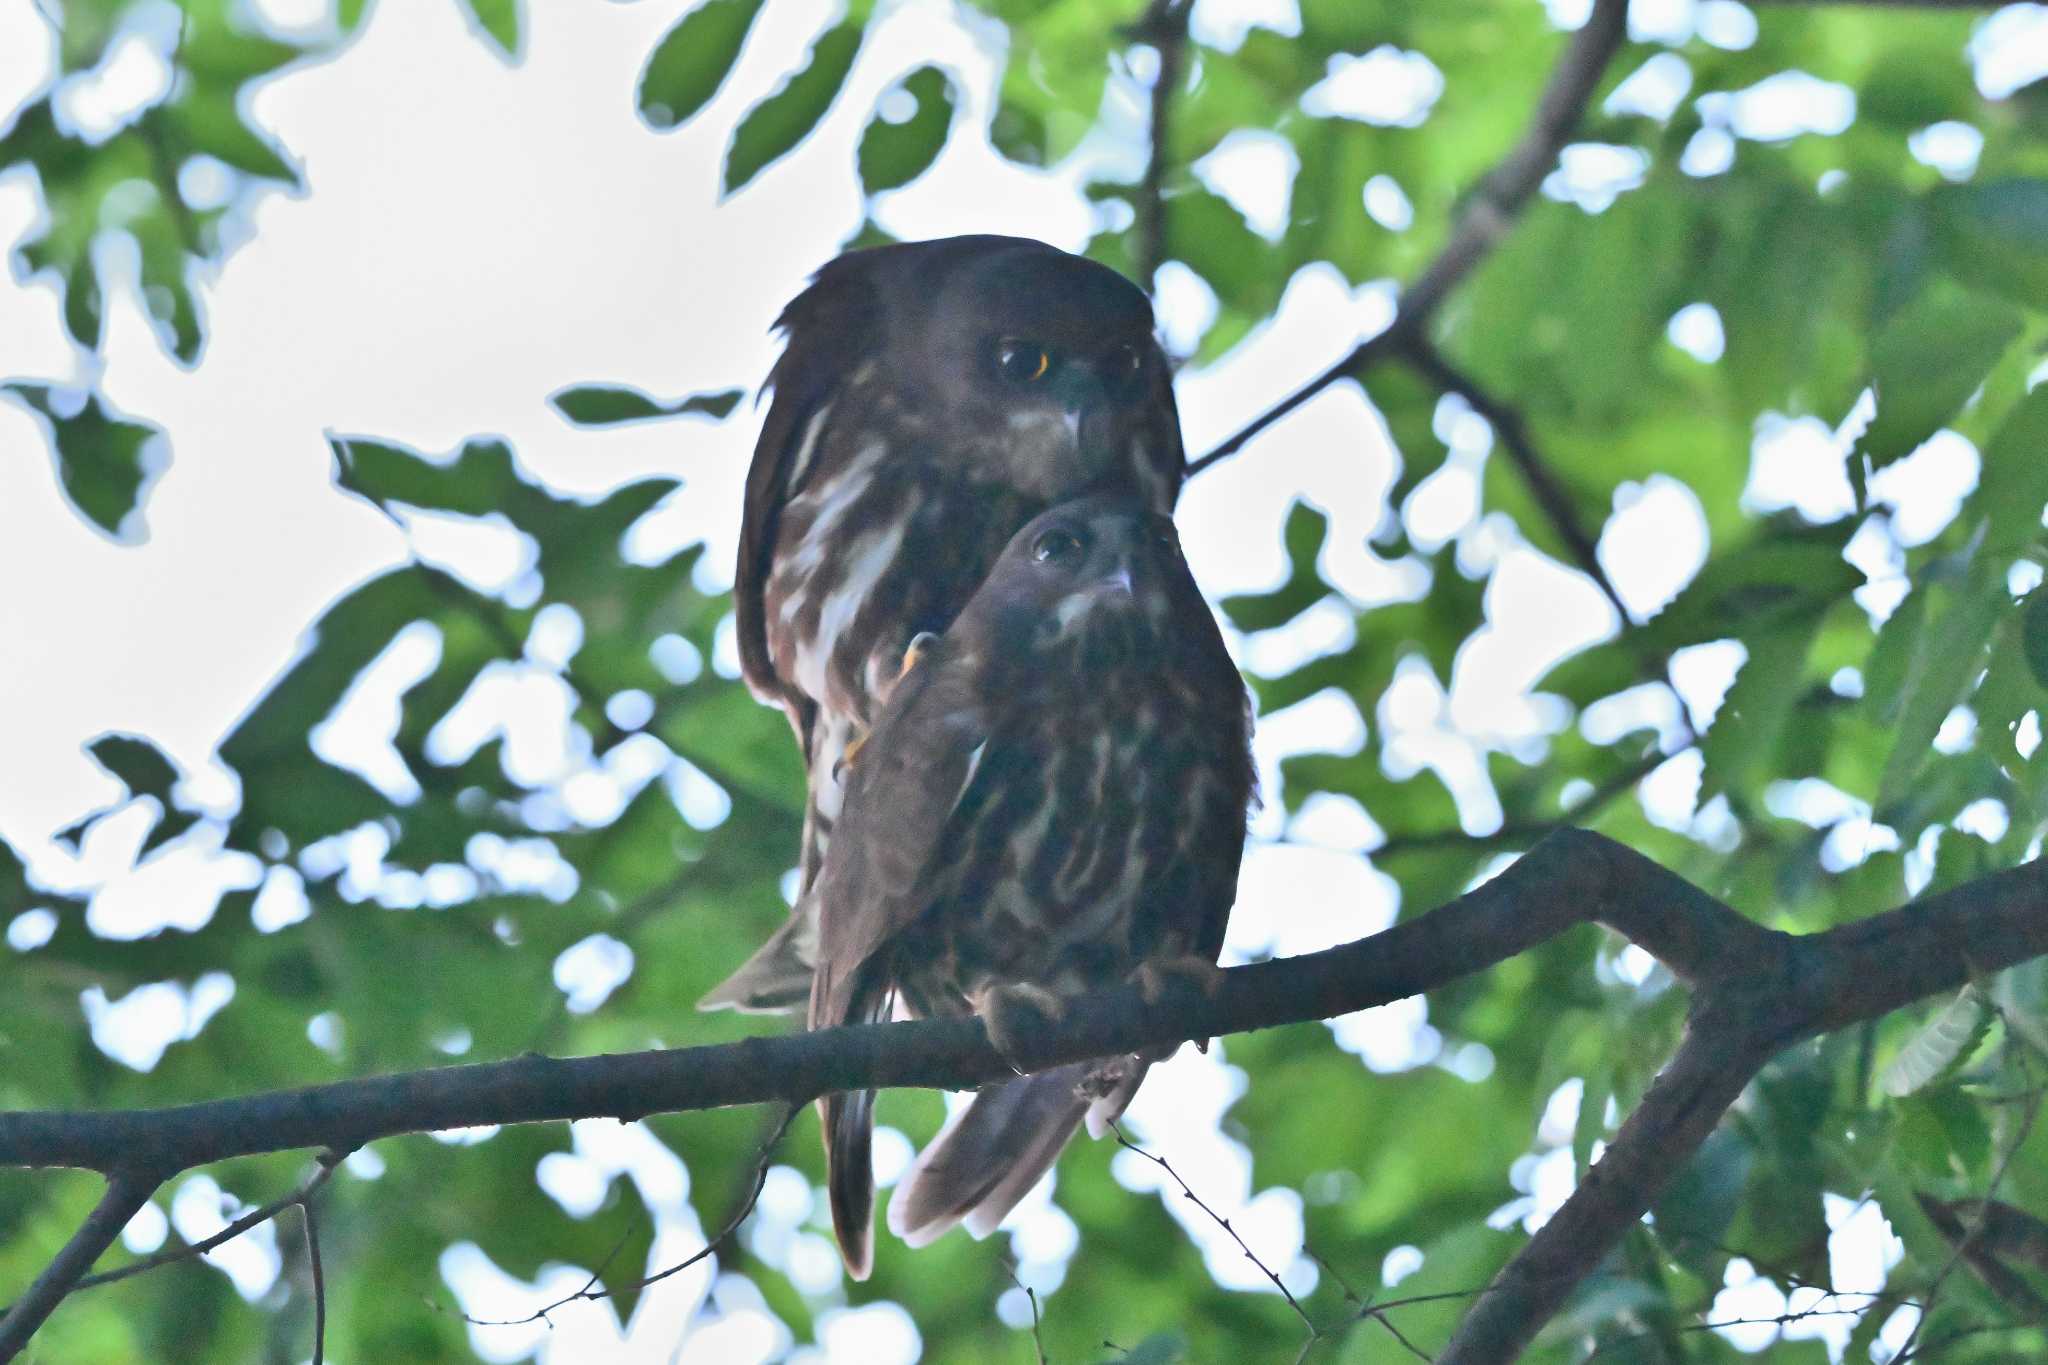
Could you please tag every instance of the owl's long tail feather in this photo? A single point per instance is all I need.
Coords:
(990, 1154)
(848, 1124)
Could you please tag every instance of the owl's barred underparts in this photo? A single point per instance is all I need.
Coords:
(1052, 799)
(932, 397)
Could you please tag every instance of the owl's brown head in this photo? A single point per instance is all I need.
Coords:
(1038, 366)
(1091, 583)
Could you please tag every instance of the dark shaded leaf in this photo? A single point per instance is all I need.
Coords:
(894, 153)
(775, 125)
(692, 60)
(1927, 361)
(100, 459)
(1995, 235)
(1306, 529)
(604, 405)
(1741, 747)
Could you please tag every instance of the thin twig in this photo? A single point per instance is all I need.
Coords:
(1163, 1164)
(1489, 212)
(126, 1192)
(591, 1291)
(312, 1224)
(254, 1218)
(1524, 833)
(1037, 1341)
(1542, 481)
(1165, 26)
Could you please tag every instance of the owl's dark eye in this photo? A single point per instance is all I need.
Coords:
(1057, 546)
(1126, 362)
(1022, 362)
(1164, 538)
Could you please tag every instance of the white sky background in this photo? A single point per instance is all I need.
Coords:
(474, 236)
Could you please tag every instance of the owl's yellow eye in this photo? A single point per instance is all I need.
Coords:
(1057, 547)
(1022, 362)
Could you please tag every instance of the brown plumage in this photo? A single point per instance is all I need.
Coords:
(932, 397)
(1053, 798)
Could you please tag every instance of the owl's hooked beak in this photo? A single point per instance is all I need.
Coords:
(1084, 405)
(1119, 579)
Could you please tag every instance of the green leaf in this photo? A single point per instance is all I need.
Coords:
(1941, 1044)
(2034, 635)
(1995, 235)
(1306, 529)
(894, 153)
(1926, 363)
(1742, 744)
(100, 459)
(138, 764)
(1161, 1348)
(141, 767)
(775, 125)
(1703, 1197)
(604, 405)
(499, 19)
(1946, 663)
(692, 61)
(2013, 488)
(2021, 994)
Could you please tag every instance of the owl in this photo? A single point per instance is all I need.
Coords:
(1052, 799)
(931, 398)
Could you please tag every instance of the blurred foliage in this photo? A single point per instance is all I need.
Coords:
(436, 909)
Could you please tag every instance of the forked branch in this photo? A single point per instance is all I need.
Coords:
(1755, 992)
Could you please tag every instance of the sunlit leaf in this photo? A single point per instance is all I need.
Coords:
(499, 19)
(1940, 1045)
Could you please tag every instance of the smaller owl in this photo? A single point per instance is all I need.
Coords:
(1053, 800)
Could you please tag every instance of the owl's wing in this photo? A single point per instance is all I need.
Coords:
(829, 330)
(769, 485)
(909, 777)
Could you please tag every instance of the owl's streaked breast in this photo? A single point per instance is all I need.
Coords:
(1077, 855)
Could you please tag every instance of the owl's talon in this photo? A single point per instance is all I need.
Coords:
(844, 762)
(1158, 979)
(913, 653)
(1010, 1011)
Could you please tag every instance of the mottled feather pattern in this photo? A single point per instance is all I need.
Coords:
(1054, 797)
(895, 462)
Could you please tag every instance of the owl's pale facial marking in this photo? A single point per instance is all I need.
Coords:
(1100, 564)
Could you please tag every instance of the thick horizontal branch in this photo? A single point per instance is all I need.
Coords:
(1573, 877)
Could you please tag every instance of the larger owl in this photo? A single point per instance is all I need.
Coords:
(932, 397)
(1053, 800)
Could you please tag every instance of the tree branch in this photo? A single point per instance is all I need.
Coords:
(126, 1191)
(1537, 475)
(1757, 990)
(1490, 210)
(1165, 26)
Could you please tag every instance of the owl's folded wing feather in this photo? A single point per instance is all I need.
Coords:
(912, 772)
